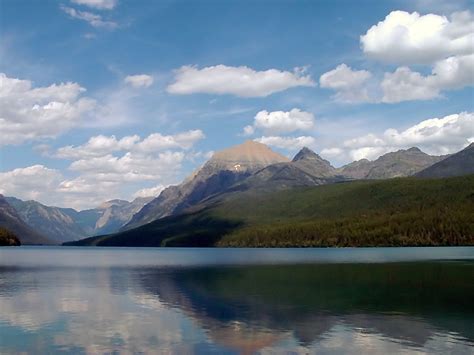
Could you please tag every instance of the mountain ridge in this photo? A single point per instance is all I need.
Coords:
(460, 163)
(11, 220)
(224, 171)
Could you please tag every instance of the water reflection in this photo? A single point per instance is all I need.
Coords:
(311, 308)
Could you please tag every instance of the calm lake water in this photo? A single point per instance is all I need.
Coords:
(185, 301)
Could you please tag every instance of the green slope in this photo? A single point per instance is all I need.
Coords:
(405, 211)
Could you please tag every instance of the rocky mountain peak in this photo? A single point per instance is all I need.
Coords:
(307, 154)
(414, 150)
(246, 157)
(249, 152)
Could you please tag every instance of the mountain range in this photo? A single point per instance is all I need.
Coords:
(35, 223)
(299, 198)
(249, 169)
(11, 221)
(252, 166)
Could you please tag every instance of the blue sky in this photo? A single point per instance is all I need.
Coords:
(192, 75)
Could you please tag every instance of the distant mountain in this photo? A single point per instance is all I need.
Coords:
(116, 213)
(223, 170)
(461, 163)
(11, 220)
(67, 224)
(395, 164)
(54, 222)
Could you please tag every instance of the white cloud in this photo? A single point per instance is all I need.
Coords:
(130, 167)
(240, 81)
(102, 145)
(156, 141)
(97, 4)
(148, 192)
(97, 146)
(277, 122)
(448, 74)
(139, 81)
(403, 84)
(406, 85)
(438, 136)
(350, 85)
(105, 168)
(28, 113)
(410, 38)
(287, 143)
(92, 19)
(30, 183)
(248, 130)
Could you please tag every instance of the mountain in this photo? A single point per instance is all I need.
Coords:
(67, 224)
(461, 163)
(224, 169)
(313, 164)
(85, 219)
(11, 220)
(394, 212)
(116, 213)
(54, 222)
(306, 169)
(395, 164)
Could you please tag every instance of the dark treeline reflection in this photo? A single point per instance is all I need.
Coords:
(406, 302)
(309, 308)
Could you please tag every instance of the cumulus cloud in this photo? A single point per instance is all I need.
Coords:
(448, 74)
(278, 122)
(350, 85)
(92, 19)
(287, 143)
(29, 183)
(410, 38)
(240, 81)
(97, 4)
(105, 168)
(139, 81)
(403, 84)
(129, 167)
(102, 145)
(437, 136)
(98, 179)
(28, 113)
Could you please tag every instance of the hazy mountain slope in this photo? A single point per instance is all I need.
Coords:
(461, 163)
(53, 222)
(223, 170)
(11, 220)
(116, 213)
(67, 224)
(86, 219)
(395, 164)
(406, 211)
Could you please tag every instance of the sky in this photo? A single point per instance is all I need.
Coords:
(104, 99)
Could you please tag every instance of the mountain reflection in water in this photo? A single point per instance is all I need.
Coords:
(329, 308)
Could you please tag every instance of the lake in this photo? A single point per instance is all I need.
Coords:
(232, 301)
